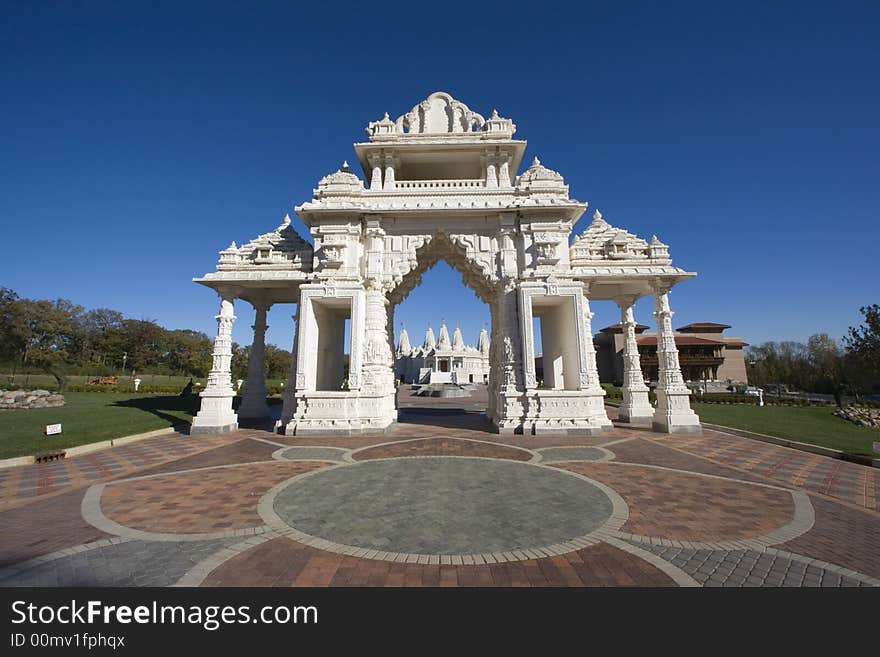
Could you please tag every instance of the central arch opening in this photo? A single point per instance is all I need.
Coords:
(442, 338)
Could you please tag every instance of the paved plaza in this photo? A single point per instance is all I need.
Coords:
(441, 501)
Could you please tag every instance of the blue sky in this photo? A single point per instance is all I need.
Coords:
(138, 139)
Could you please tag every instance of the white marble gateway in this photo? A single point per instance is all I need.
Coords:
(441, 182)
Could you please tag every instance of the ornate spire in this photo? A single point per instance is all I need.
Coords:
(443, 339)
(430, 341)
(403, 346)
(457, 340)
(483, 342)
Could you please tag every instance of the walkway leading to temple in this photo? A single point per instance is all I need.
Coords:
(440, 501)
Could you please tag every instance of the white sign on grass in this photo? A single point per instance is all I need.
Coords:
(53, 429)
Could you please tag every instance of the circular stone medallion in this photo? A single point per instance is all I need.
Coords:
(443, 506)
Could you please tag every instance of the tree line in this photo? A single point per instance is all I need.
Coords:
(62, 338)
(823, 365)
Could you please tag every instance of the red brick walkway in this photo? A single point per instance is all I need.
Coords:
(696, 510)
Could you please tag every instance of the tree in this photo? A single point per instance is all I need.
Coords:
(277, 362)
(49, 334)
(862, 346)
(10, 340)
(827, 365)
(864, 341)
(187, 352)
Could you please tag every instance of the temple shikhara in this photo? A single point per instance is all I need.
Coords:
(441, 182)
(439, 360)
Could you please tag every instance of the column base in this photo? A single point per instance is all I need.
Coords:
(336, 428)
(552, 412)
(636, 409)
(206, 428)
(674, 414)
(216, 414)
(332, 413)
(567, 428)
(663, 426)
(636, 417)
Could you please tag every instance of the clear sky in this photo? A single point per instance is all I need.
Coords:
(138, 139)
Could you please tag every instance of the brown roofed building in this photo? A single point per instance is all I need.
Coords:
(703, 351)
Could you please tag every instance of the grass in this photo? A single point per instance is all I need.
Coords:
(809, 424)
(90, 417)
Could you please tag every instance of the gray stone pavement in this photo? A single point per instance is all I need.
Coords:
(313, 454)
(440, 505)
(131, 563)
(573, 454)
(748, 568)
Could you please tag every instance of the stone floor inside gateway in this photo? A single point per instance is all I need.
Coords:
(440, 501)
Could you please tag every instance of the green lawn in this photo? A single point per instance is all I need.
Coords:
(90, 417)
(808, 424)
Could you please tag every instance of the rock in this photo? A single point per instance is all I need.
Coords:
(23, 399)
(862, 416)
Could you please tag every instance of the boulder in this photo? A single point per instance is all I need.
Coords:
(23, 399)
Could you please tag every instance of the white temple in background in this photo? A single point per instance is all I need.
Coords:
(441, 360)
(441, 182)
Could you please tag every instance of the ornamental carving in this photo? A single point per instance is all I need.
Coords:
(443, 185)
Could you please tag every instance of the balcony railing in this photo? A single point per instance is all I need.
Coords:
(403, 185)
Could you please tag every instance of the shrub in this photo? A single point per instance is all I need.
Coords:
(612, 391)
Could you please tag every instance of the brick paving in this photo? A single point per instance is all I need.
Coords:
(282, 562)
(44, 526)
(442, 447)
(843, 535)
(712, 524)
(21, 484)
(819, 474)
(200, 501)
(689, 507)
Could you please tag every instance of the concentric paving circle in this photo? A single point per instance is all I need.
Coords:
(441, 506)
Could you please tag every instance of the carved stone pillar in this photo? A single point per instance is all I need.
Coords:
(507, 342)
(253, 400)
(288, 410)
(636, 408)
(504, 171)
(389, 173)
(491, 172)
(376, 178)
(216, 414)
(378, 375)
(589, 374)
(378, 361)
(673, 413)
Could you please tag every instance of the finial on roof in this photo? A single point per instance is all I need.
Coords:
(344, 166)
(536, 162)
(386, 117)
(232, 245)
(286, 220)
(495, 114)
(597, 215)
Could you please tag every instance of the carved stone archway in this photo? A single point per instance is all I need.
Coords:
(441, 183)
